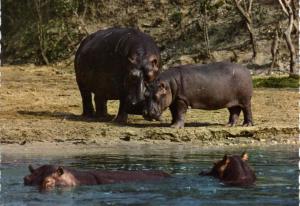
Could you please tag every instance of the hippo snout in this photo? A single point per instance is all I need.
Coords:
(154, 116)
(27, 180)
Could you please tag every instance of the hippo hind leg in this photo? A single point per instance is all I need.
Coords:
(101, 106)
(247, 115)
(234, 115)
(88, 109)
(122, 114)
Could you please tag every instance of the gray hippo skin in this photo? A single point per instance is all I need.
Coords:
(210, 87)
(115, 64)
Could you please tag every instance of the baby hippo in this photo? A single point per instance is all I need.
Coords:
(50, 176)
(233, 171)
(210, 87)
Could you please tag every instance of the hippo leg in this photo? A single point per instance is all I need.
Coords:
(122, 115)
(178, 110)
(88, 109)
(101, 107)
(234, 115)
(247, 115)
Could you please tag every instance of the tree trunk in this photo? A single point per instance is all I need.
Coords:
(37, 4)
(206, 37)
(252, 39)
(274, 51)
(286, 6)
(245, 12)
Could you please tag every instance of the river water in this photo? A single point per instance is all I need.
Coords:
(276, 170)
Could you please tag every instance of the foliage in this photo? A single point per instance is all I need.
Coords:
(276, 82)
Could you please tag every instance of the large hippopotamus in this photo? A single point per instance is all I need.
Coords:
(233, 171)
(211, 86)
(115, 64)
(49, 176)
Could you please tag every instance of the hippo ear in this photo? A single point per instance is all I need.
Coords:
(162, 85)
(154, 63)
(60, 171)
(31, 169)
(163, 88)
(244, 156)
(226, 159)
(133, 59)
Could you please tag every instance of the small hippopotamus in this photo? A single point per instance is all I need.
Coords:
(115, 64)
(233, 171)
(50, 176)
(210, 87)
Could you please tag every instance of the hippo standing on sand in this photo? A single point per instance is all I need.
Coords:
(233, 171)
(212, 86)
(49, 176)
(115, 64)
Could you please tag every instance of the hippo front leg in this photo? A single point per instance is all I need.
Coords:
(122, 114)
(178, 110)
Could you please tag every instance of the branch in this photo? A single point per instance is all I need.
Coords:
(242, 11)
(283, 7)
(250, 6)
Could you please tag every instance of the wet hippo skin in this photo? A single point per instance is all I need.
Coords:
(233, 171)
(115, 64)
(209, 87)
(50, 176)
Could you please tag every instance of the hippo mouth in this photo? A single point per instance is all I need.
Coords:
(150, 118)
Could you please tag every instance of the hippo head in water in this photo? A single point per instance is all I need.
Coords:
(158, 98)
(233, 171)
(48, 176)
(143, 70)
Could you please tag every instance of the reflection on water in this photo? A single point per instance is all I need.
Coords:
(276, 169)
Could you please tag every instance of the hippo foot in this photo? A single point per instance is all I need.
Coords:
(104, 118)
(87, 116)
(177, 125)
(230, 124)
(120, 120)
(248, 124)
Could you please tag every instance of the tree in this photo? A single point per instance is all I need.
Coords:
(206, 9)
(244, 7)
(41, 32)
(287, 8)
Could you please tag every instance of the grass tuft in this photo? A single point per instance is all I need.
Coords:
(276, 82)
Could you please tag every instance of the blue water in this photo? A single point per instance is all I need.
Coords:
(276, 169)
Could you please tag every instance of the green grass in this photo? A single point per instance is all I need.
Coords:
(276, 82)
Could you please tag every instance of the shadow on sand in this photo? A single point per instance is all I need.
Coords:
(109, 118)
(66, 116)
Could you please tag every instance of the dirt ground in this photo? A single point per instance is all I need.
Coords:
(43, 105)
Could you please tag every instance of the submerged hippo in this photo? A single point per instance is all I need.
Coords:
(212, 86)
(50, 176)
(115, 64)
(233, 171)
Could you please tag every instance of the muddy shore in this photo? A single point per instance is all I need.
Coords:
(42, 105)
